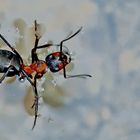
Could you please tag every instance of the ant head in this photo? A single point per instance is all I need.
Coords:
(57, 61)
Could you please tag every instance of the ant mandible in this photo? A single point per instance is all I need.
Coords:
(12, 64)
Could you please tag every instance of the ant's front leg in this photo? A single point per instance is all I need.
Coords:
(73, 76)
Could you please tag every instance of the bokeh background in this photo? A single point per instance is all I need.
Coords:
(104, 107)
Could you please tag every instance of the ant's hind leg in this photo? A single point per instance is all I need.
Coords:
(6, 73)
(35, 104)
(8, 44)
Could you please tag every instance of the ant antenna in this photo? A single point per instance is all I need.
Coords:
(64, 70)
(61, 43)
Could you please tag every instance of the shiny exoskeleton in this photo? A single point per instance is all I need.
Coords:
(55, 63)
(11, 64)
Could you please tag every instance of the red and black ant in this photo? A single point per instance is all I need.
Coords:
(12, 64)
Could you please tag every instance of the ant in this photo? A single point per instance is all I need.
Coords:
(12, 64)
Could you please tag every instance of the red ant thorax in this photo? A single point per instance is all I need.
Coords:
(39, 67)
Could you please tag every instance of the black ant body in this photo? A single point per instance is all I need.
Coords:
(12, 64)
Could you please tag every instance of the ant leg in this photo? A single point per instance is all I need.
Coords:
(6, 73)
(61, 43)
(24, 73)
(34, 54)
(35, 105)
(28, 78)
(8, 44)
(46, 46)
(37, 37)
(72, 76)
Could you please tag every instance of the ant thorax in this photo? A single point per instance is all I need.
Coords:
(39, 68)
